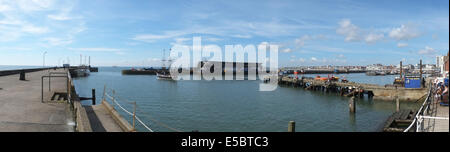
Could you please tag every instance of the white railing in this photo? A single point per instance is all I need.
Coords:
(132, 114)
(116, 101)
(424, 108)
(420, 117)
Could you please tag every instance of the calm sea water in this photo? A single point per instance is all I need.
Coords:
(14, 67)
(237, 105)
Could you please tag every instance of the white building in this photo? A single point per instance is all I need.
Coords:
(440, 64)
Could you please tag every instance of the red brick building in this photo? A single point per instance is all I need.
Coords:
(446, 65)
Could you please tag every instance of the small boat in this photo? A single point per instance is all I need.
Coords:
(332, 78)
(164, 76)
(321, 78)
(82, 72)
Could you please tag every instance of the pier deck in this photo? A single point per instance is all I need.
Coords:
(437, 125)
(21, 108)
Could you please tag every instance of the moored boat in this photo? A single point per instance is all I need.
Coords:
(164, 76)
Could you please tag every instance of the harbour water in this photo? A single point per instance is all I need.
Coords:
(237, 105)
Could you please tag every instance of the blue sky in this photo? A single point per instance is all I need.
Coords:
(134, 33)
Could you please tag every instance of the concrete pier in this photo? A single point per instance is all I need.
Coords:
(37, 105)
(21, 109)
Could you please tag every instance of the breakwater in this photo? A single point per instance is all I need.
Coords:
(321, 71)
(349, 89)
(17, 71)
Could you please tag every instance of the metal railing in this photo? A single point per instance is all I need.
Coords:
(116, 101)
(63, 75)
(421, 115)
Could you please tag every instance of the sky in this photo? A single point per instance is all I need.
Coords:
(135, 33)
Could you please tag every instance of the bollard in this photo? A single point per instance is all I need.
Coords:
(291, 126)
(398, 105)
(93, 96)
(22, 75)
(352, 105)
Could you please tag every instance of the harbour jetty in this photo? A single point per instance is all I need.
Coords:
(350, 89)
(144, 71)
(321, 71)
(45, 100)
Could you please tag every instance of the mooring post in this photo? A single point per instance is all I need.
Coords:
(420, 71)
(397, 105)
(93, 96)
(22, 75)
(291, 126)
(352, 105)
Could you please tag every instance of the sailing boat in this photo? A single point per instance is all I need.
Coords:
(164, 74)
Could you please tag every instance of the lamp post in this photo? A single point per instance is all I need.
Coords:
(43, 61)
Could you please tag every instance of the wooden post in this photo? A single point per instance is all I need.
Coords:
(93, 97)
(291, 126)
(420, 68)
(397, 105)
(352, 105)
(401, 70)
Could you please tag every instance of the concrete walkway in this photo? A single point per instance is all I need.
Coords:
(21, 109)
(437, 125)
(101, 120)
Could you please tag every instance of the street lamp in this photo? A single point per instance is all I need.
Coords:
(43, 61)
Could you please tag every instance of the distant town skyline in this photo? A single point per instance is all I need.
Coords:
(134, 33)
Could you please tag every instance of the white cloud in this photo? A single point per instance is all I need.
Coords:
(400, 45)
(372, 38)
(34, 30)
(427, 51)
(58, 41)
(4, 7)
(100, 49)
(213, 39)
(14, 49)
(264, 43)
(242, 36)
(301, 60)
(300, 42)
(404, 32)
(349, 30)
(35, 5)
(59, 17)
(154, 59)
(20, 18)
(314, 59)
(150, 38)
(287, 50)
(182, 40)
